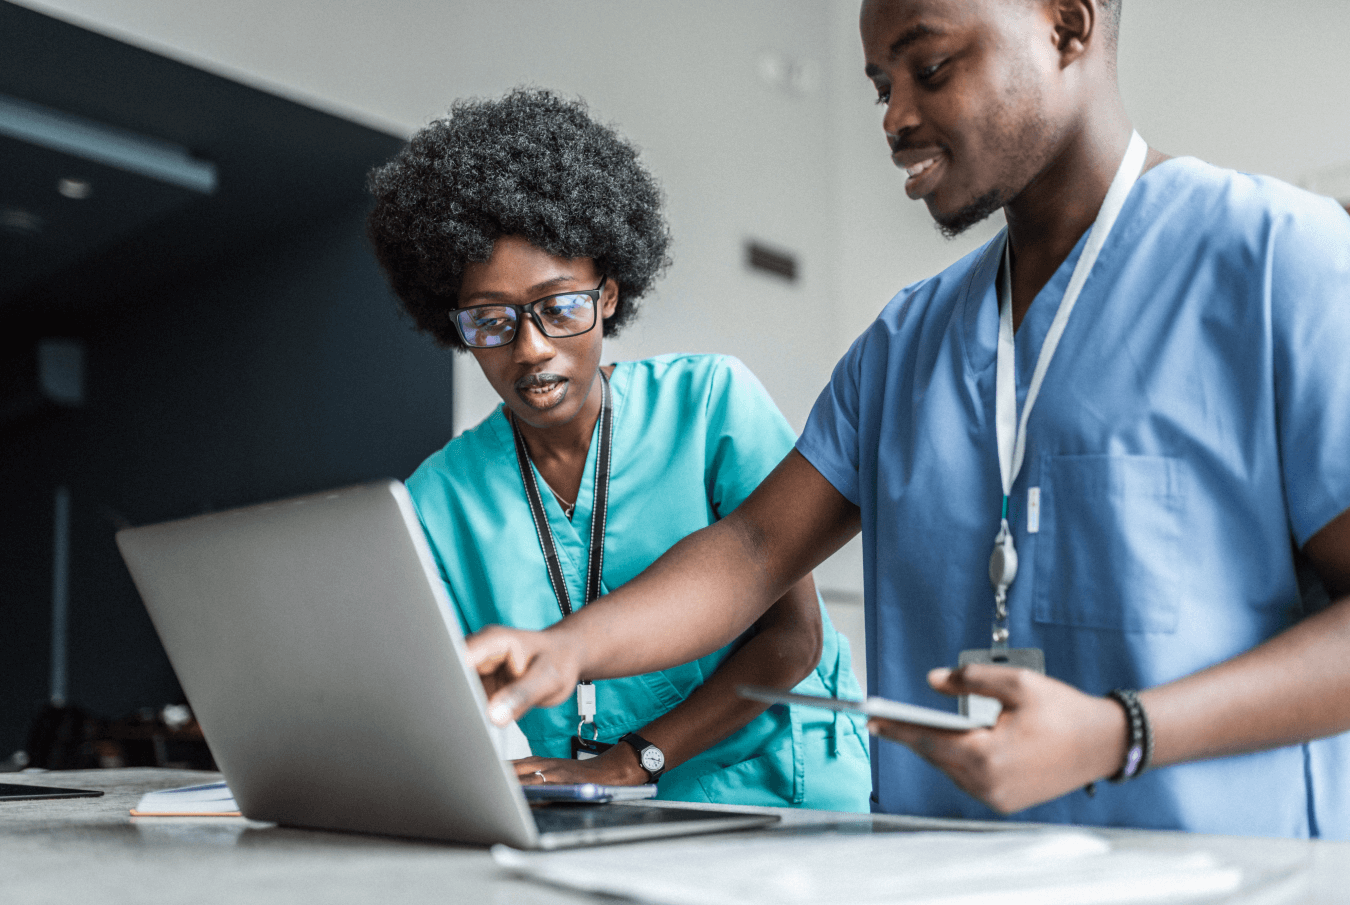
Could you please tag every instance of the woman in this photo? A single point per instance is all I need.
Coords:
(512, 229)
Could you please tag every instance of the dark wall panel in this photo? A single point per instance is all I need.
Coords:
(284, 374)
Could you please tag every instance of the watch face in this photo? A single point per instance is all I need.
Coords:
(652, 759)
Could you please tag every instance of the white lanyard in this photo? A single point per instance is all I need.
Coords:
(1011, 432)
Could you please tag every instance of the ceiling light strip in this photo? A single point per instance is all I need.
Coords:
(109, 145)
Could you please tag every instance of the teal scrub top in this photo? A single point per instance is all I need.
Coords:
(693, 436)
(1192, 431)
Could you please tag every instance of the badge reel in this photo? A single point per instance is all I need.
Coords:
(1002, 571)
(585, 748)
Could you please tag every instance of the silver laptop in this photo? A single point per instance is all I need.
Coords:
(317, 647)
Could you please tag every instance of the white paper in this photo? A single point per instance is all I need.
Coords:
(1008, 868)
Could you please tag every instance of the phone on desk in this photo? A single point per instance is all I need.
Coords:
(884, 708)
(11, 791)
(584, 793)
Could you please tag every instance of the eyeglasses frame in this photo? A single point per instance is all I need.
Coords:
(530, 310)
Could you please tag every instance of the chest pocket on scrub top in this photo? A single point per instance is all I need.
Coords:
(1111, 549)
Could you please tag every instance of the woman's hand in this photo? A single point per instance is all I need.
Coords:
(617, 766)
(1050, 738)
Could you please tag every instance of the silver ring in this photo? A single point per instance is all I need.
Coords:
(540, 774)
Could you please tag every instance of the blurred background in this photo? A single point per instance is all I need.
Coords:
(190, 319)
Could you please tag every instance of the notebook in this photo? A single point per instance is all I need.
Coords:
(315, 641)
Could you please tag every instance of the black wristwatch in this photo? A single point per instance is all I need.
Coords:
(650, 758)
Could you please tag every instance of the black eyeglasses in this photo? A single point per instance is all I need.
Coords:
(556, 316)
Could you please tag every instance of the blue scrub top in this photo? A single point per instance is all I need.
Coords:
(693, 436)
(1193, 428)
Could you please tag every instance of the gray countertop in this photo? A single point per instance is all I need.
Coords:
(90, 850)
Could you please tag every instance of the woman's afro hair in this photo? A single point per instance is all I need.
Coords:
(531, 164)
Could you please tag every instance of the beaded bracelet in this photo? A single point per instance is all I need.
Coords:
(1139, 744)
(1139, 750)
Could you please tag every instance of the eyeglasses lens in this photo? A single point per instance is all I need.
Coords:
(487, 326)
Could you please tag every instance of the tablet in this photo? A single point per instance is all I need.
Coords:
(585, 792)
(879, 707)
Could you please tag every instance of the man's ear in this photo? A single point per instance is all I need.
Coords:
(1077, 24)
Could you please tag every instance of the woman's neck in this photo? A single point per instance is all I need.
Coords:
(559, 453)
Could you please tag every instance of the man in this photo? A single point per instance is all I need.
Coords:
(1168, 466)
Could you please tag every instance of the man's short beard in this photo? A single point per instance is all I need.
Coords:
(979, 209)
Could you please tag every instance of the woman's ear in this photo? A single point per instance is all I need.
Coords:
(609, 299)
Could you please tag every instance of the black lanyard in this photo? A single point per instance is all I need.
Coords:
(599, 509)
(581, 747)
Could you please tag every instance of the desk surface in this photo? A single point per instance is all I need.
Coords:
(90, 850)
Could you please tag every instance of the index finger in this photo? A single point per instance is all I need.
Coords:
(491, 650)
(538, 686)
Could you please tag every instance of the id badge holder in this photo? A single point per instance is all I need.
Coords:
(987, 709)
(585, 748)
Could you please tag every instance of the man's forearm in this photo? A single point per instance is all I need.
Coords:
(699, 596)
(1292, 688)
(782, 651)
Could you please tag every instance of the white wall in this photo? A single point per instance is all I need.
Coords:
(1253, 84)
